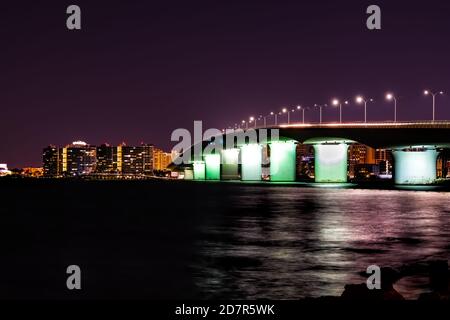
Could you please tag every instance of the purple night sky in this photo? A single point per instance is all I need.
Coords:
(138, 69)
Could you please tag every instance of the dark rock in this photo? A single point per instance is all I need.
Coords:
(387, 292)
(361, 292)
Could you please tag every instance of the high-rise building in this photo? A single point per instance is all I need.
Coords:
(361, 161)
(148, 150)
(161, 159)
(384, 159)
(105, 159)
(52, 164)
(131, 160)
(75, 159)
(443, 164)
(79, 158)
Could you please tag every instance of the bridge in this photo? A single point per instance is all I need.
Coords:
(414, 145)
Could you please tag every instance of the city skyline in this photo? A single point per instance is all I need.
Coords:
(82, 159)
(141, 70)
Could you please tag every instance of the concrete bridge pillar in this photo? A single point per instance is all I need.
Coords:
(283, 161)
(251, 161)
(230, 164)
(188, 174)
(330, 162)
(415, 166)
(199, 170)
(212, 166)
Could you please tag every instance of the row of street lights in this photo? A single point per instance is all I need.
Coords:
(335, 102)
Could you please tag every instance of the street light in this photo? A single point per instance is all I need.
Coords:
(390, 96)
(276, 117)
(285, 110)
(360, 99)
(251, 119)
(303, 113)
(246, 124)
(428, 92)
(336, 102)
(320, 110)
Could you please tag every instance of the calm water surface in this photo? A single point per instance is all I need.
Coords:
(175, 239)
(286, 242)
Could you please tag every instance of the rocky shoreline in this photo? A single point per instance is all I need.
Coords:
(436, 270)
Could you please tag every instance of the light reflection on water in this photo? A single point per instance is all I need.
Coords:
(282, 242)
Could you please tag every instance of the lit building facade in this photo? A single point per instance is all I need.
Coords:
(105, 159)
(361, 161)
(80, 158)
(32, 172)
(161, 159)
(4, 170)
(51, 163)
(134, 160)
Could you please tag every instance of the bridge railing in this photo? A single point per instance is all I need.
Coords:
(377, 124)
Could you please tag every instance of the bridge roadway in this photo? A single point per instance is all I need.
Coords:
(381, 135)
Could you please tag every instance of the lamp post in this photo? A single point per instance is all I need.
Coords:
(276, 120)
(320, 110)
(360, 99)
(337, 102)
(246, 124)
(390, 96)
(285, 110)
(252, 119)
(303, 113)
(433, 94)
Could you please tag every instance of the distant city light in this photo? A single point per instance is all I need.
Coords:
(79, 143)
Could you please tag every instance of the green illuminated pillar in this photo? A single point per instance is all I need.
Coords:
(230, 164)
(188, 174)
(282, 161)
(212, 164)
(415, 167)
(330, 162)
(199, 170)
(251, 160)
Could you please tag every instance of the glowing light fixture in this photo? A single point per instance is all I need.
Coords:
(415, 167)
(230, 164)
(251, 159)
(199, 170)
(282, 161)
(212, 166)
(433, 95)
(330, 162)
(390, 96)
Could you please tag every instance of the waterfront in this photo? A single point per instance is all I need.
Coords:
(177, 239)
